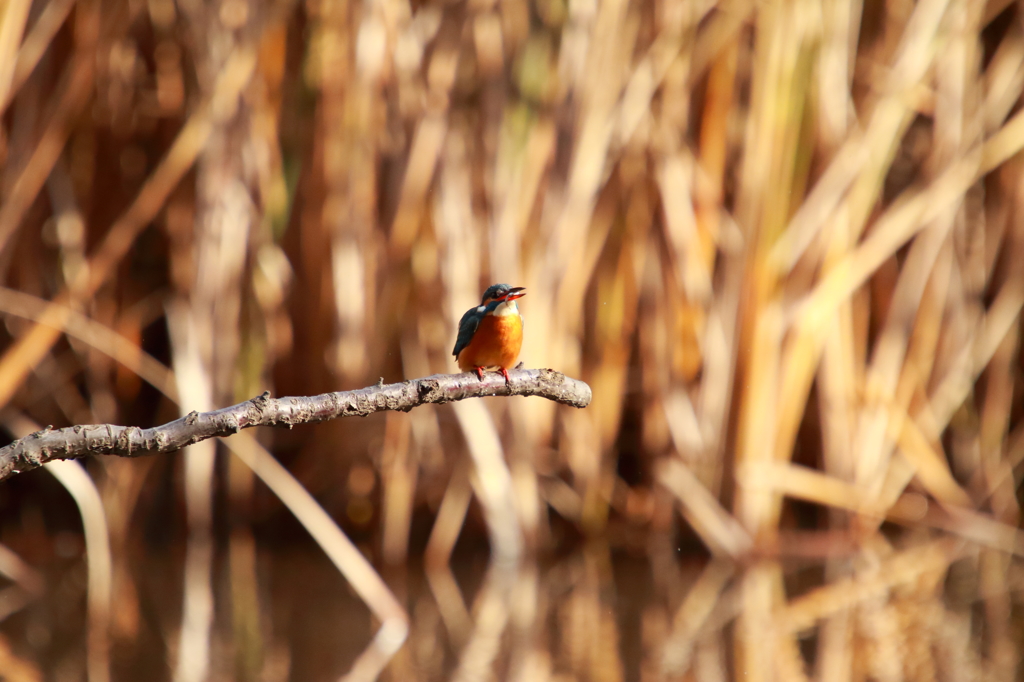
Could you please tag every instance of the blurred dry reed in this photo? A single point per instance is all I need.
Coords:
(777, 238)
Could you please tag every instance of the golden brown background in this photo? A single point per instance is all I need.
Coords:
(781, 240)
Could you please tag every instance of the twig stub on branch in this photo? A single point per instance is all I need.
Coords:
(43, 446)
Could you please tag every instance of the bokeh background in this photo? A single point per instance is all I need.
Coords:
(782, 242)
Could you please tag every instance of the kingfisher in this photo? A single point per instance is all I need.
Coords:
(491, 334)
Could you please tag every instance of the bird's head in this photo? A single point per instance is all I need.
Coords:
(502, 293)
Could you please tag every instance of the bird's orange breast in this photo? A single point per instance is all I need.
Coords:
(496, 343)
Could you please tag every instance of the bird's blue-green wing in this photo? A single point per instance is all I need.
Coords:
(467, 327)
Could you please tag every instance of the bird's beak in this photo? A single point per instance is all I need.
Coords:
(514, 293)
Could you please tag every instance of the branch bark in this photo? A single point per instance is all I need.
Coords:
(71, 442)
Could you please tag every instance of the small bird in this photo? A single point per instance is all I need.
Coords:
(491, 334)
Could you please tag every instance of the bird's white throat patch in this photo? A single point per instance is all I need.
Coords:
(506, 308)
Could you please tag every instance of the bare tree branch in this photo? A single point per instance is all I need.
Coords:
(43, 446)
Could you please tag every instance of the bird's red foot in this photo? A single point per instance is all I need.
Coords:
(504, 373)
(479, 372)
